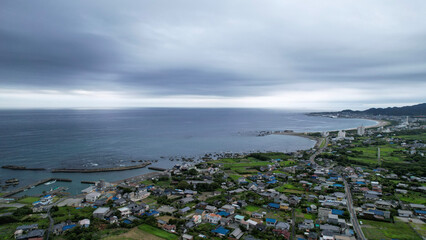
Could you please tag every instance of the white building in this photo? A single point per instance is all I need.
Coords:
(341, 134)
(360, 131)
(92, 197)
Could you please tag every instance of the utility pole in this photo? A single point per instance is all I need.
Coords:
(378, 155)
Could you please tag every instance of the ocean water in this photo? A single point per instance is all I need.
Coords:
(104, 138)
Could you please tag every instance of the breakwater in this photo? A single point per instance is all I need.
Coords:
(92, 170)
(15, 167)
(21, 189)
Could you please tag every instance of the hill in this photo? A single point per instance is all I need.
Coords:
(415, 110)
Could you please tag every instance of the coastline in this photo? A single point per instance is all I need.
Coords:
(379, 123)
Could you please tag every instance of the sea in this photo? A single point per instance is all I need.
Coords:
(121, 137)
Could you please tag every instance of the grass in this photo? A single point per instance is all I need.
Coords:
(412, 197)
(421, 137)
(157, 232)
(382, 230)
(252, 208)
(66, 213)
(28, 200)
(235, 177)
(322, 143)
(369, 154)
(133, 234)
(287, 186)
(246, 164)
(7, 209)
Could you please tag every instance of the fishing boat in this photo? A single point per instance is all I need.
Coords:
(51, 182)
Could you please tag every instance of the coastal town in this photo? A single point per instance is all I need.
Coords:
(364, 183)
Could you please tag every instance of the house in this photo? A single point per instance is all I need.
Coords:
(239, 218)
(169, 228)
(306, 224)
(84, 222)
(282, 233)
(101, 212)
(274, 205)
(282, 226)
(213, 218)
(184, 210)
(187, 237)
(330, 228)
(211, 209)
(237, 233)
(124, 211)
(33, 234)
(186, 200)
(92, 197)
(221, 231)
(271, 222)
(228, 208)
(197, 219)
(405, 213)
(257, 215)
(323, 213)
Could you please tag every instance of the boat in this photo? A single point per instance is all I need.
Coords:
(51, 182)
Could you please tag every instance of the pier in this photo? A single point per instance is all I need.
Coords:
(21, 189)
(92, 170)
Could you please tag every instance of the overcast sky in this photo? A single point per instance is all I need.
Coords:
(281, 54)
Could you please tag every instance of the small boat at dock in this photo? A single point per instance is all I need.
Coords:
(51, 182)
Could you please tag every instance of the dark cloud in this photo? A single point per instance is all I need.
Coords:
(225, 48)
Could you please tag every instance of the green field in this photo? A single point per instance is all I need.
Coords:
(287, 186)
(369, 154)
(421, 137)
(157, 232)
(252, 208)
(28, 200)
(382, 230)
(412, 197)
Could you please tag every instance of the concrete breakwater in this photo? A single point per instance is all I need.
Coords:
(15, 167)
(91, 170)
(21, 189)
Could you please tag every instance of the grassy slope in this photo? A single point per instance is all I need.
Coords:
(157, 232)
(381, 230)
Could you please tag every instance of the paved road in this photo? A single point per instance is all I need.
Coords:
(293, 224)
(354, 219)
(318, 152)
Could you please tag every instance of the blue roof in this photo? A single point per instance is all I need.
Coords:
(64, 228)
(272, 182)
(127, 221)
(332, 178)
(272, 220)
(223, 214)
(360, 183)
(420, 211)
(377, 212)
(337, 185)
(221, 230)
(274, 205)
(153, 212)
(337, 212)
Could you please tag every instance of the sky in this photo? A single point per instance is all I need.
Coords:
(322, 55)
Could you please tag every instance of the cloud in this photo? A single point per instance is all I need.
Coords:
(236, 51)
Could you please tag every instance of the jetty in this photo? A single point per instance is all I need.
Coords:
(15, 167)
(92, 170)
(21, 189)
(88, 182)
(157, 169)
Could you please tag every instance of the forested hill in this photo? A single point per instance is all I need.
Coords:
(415, 110)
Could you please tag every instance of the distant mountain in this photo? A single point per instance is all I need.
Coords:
(415, 110)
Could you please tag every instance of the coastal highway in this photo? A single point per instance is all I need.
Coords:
(354, 219)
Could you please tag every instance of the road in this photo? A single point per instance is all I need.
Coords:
(318, 152)
(293, 225)
(354, 220)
